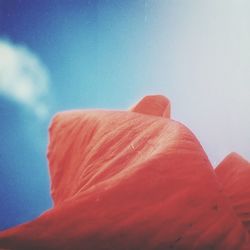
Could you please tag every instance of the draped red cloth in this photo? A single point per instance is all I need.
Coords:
(136, 180)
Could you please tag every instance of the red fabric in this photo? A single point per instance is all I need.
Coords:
(153, 105)
(234, 174)
(130, 180)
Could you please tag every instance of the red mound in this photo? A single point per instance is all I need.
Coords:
(129, 180)
(234, 174)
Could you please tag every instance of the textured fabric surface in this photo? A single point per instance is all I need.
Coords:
(130, 180)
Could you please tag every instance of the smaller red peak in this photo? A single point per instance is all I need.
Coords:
(156, 105)
(234, 175)
(232, 160)
(234, 157)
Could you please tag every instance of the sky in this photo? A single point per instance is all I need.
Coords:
(62, 54)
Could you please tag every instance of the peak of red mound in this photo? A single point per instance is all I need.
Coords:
(125, 180)
(232, 159)
(234, 174)
(157, 105)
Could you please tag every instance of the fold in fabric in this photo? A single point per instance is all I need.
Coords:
(132, 180)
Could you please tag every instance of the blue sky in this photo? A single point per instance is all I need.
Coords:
(59, 55)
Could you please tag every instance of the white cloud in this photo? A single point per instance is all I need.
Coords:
(23, 77)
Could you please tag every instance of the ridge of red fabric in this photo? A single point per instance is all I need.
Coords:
(134, 180)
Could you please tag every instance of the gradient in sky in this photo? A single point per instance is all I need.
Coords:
(60, 54)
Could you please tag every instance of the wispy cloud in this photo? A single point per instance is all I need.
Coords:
(23, 77)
